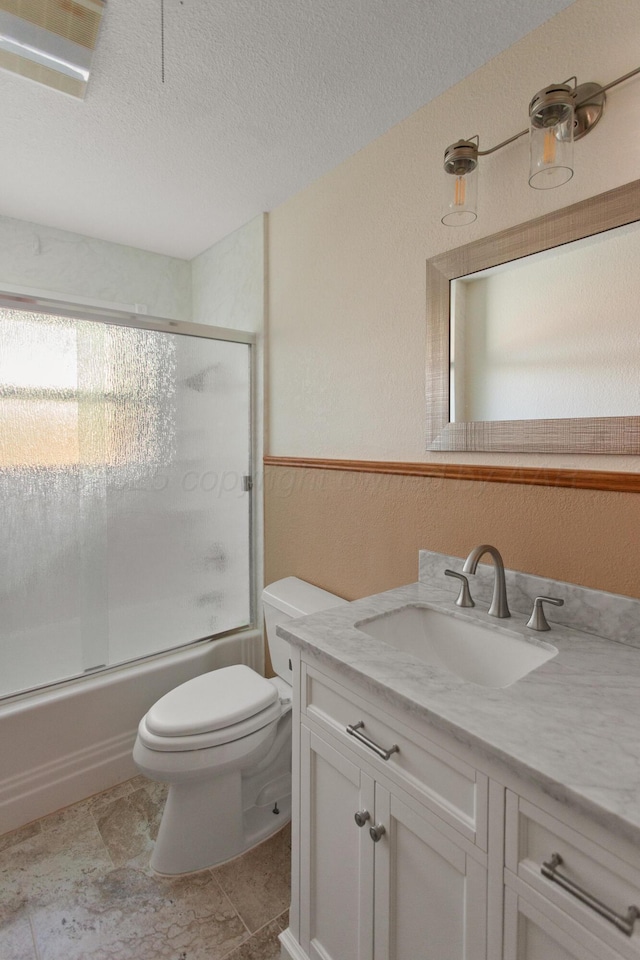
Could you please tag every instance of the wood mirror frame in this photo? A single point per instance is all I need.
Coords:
(585, 435)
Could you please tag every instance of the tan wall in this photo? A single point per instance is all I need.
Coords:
(347, 322)
(357, 533)
(347, 277)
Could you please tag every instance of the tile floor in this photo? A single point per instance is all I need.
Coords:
(77, 886)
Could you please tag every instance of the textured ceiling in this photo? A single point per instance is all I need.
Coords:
(260, 98)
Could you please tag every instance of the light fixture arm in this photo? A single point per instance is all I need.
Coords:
(499, 146)
(589, 91)
(614, 83)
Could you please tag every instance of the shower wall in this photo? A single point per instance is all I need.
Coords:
(54, 262)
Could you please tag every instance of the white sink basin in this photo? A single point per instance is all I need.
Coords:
(472, 650)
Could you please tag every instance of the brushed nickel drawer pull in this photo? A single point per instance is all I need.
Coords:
(353, 731)
(625, 924)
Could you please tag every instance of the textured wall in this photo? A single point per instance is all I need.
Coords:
(356, 534)
(347, 255)
(347, 321)
(56, 262)
(228, 280)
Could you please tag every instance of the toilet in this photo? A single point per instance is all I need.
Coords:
(222, 741)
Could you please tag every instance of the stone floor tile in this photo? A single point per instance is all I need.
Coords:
(77, 885)
(94, 804)
(43, 865)
(98, 802)
(129, 825)
(16, 939)
(66, 815)
(157, 791)
(139, 781)
(128, 915)
(17, 836)
(263, 945)
(259, 882)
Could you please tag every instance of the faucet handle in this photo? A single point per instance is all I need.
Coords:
(537, 620)
(464, 597)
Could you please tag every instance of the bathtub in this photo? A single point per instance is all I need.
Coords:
(65, 743)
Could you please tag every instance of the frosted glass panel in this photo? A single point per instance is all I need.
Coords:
(125, 523)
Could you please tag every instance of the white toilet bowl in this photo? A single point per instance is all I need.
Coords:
(222, 742)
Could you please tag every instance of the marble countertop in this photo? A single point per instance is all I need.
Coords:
(572, 726)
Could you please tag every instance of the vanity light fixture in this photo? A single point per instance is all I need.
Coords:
(558, 115)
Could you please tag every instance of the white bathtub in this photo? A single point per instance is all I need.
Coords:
(65, 743)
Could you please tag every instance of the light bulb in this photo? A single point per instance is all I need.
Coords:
(549, 147)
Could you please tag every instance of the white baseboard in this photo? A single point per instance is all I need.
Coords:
(65, 780)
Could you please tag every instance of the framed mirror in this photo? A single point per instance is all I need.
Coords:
(533, 334)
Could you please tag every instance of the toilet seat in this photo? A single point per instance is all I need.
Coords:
(285, 693)
(211, 701)
(209, 710)
(214, 738)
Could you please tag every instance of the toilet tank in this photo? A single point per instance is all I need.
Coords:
(285, 600)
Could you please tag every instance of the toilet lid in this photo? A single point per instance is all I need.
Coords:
(211, 701)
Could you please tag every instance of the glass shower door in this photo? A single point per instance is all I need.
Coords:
(125, 512)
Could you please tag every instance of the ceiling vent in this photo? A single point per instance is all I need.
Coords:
(50, 41)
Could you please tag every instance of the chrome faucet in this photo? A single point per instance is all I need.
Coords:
(499, 607)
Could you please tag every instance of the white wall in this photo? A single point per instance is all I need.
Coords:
(51, 261)
(347, 305)
(229, 279)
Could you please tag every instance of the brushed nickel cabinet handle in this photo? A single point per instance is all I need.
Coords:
(353, 730)
(377, 832)
(361, 817)
(625, 924)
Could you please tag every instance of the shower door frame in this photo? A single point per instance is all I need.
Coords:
(29, 303)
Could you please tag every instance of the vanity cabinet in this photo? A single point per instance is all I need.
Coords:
(530, 934)
(569, 883)
(410, 893)
(404, 850)
(429, 893)
(381, 875)
(336, 858)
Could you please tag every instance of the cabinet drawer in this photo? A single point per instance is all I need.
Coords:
(536, 930)
(605, 870)
(453, 789)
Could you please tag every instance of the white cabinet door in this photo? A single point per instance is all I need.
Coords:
(336, 856)
(430, 895)
(530, 934)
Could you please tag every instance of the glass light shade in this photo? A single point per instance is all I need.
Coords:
(551, 142)
(461, 198)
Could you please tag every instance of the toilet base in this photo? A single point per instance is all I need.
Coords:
(193, 835)
(261, 822)
(220, 814)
